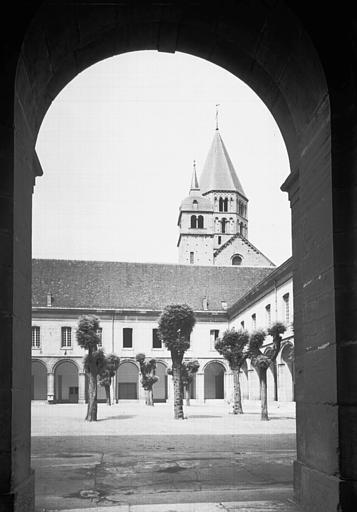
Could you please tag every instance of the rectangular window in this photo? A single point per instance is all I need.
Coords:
(127, 337)
(192, 258)
(36, 341)
(268, 315)
(66, 337)
(242, 324)
(214, 333)
(100, 334)
(286, 309)
(254, 321)
(156, 342)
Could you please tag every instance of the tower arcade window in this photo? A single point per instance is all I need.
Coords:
(127, 337)
(193, 221)
(225, 204)
(36, 340)
(219, 240)
(192, 258)
(237, 259)
(200, 221)
(220, 204)
(224, 222)
(66, 337)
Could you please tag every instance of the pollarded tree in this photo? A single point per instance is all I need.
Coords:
(105, 378)
(175, 326)
(148, 377)
(188, 370)
(87, 338)
(233, 347)
(262, 362)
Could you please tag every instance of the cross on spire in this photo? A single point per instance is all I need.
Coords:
(217, 105)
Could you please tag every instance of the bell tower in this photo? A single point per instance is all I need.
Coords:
(195, 221)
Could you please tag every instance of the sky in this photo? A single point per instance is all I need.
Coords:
(117, 147)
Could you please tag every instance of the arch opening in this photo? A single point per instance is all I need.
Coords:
(66, 382)
(128, 381)
(214, 381)
(39, 381)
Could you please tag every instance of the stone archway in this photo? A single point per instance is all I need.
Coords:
(127, 381)
(66, 382)
(160, 389)
(286, 374)
(214, 381)
(271, 47)
(39, 380)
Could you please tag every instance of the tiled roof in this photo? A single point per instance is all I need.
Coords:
(102, 284)
(218, 172)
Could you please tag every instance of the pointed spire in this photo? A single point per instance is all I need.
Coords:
(218, 172)
(194, 180)
(217, 112)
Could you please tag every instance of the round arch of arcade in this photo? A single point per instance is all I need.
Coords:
(276, 56)
(215, 380)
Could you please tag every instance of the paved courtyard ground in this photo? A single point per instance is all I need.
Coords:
(137, 455)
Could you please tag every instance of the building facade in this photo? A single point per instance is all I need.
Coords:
(128, 298)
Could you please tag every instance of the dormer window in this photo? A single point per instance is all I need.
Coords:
(195, 204)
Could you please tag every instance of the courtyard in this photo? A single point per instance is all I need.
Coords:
(137, 455)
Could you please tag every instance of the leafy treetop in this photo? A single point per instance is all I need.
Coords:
(232, 346)
(175, 326)
(97, 358)
(87, 332)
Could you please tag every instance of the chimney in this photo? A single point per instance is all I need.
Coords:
(205, 304)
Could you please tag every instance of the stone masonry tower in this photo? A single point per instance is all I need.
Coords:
(220, 184)
(213, 219)
(196, 227)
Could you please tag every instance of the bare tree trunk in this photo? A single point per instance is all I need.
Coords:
(107, 393)
(178, 402)
(187, 392)
(263, 394)
(151, 397)
(237, 399)
(92, 395)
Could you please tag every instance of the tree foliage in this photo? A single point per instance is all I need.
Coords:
(87, 332)
(148, 377)
(111, 364)
(262, 361)
(87, 338)
(233, 347)
(175, 326)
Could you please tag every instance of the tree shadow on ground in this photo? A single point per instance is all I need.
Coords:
(194, 416)
(118, 417)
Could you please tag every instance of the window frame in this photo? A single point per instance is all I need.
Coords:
(66, 337)
(127, 330)
(35, 338)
